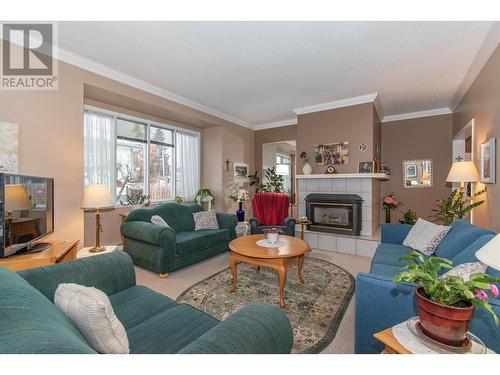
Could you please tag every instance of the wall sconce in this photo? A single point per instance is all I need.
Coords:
(227, 165)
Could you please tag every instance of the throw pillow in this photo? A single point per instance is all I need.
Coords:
(158, 220)
(465, 270)
(91, 311)
(205, 220)
(425, 236)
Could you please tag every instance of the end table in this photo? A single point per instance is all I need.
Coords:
(84, 252)
(242, 228)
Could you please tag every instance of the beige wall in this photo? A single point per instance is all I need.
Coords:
(283, 133)
(352, 124)
(420, 138)
(482, 103)
(51, 138)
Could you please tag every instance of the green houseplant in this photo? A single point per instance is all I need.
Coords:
(274, 182)
(446, 304)
(456, 206)
(409, 217)
(204, 195)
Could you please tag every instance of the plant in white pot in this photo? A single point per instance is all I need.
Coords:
(204, 195)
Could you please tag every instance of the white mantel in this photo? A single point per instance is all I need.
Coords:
(376, 176)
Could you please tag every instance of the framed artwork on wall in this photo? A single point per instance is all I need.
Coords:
(9, 147)
(240, 172)
(488, 165)
(332, 154)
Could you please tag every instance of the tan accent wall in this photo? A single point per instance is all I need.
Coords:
(482, 103)
(354, 124)
(420, 138)
(283, 133)
(51, 139)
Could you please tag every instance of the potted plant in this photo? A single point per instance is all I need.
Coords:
(178, 199)
(389, 203)
(446, 304)
(274, 182)
(456, 206)
(204, 195)
(307, 169)
(409, 217)
(240, 196)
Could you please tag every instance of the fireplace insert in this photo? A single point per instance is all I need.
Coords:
(334, 213)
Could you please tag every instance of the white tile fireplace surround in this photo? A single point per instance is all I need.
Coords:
(367, 186)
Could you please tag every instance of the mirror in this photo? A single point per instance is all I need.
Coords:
(281, 155)
(417, 173)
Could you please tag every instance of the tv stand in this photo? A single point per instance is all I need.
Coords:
(49, 252)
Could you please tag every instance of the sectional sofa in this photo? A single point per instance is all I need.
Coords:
(380, 303)
(30, 322)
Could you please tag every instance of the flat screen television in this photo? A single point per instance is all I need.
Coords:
(26, 212)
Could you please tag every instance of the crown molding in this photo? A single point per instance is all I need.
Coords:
(90, 65)
(276, 124)
(378, 107)
(336, 104)
(411, 115)
(489, 45)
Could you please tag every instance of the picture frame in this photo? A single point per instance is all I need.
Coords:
(240, 172)
(332, 153)
(365, 167)
(417, 173)
(488, 161)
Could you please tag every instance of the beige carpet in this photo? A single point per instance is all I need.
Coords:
(180, 280)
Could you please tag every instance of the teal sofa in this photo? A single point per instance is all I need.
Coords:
(30, 322)
(161, 249)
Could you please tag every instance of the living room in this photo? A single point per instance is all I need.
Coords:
(276, 187)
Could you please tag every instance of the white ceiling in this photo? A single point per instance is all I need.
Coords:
(258, 72)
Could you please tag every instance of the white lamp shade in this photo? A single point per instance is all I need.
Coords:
(97, 196)
(16, 198)
(463, 171)
(490, 253)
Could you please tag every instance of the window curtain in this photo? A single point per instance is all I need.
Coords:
(188, 165)
(99, 149)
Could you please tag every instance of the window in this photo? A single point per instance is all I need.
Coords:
(134, 156)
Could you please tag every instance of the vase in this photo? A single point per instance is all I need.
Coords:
(445, 324)
(388, 216)
(240, 214)
(307, 169)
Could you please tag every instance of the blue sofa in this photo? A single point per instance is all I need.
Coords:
(381, 304)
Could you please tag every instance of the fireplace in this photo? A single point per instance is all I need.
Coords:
(334, 213)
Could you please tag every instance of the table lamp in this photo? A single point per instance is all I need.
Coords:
(16, 199)
(489, 254)
(463, 171)
(97, 197)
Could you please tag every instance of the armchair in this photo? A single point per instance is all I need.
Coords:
(271, 211)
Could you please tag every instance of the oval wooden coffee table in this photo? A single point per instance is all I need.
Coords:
(245, 249)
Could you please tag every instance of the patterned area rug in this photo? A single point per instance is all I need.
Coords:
(315, 308)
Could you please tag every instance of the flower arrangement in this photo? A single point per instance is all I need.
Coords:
(389, 202)
(452, 291)
(304, 157)
(239, 196)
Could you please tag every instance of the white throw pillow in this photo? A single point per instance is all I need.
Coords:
(425, 236)
(91, 311)
(158, 220)
(205, 220)
(465, 270)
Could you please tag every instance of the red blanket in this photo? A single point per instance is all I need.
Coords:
(270, 208)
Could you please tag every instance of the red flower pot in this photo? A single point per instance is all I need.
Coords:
(446, 324)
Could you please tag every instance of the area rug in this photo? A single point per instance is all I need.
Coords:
(315, 309)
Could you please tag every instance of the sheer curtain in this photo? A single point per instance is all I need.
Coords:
(99, 149)
(188, 165)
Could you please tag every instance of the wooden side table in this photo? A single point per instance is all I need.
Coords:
(59, 251)
(392, 346)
